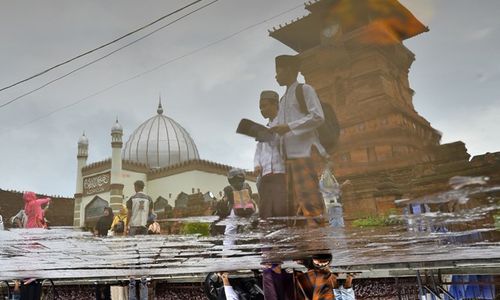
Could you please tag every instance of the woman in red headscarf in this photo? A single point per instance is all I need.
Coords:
(33, 210)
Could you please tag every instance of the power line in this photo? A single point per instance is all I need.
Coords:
(157, 67)
(100, 47)
(103, 57)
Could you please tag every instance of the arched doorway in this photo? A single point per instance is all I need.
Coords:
(94, 210)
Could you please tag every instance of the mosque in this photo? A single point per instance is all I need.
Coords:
(159, 152)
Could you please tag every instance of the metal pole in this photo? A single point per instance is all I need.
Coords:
(434, 286)
(446, 293)
(420, 288)
(432, 292)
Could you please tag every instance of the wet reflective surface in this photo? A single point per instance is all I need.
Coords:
(466, 239)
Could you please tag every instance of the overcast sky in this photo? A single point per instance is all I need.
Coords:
(456, 77)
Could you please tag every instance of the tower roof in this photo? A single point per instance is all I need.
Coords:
(160, 142)
(390, 16)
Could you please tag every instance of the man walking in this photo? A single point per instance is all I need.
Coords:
(139, 207)
(269, 164)
(300, 146)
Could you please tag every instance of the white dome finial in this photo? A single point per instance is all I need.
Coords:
(116, 127)
(83, 140)
(160, 108)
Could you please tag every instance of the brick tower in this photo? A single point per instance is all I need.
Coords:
(352, 52)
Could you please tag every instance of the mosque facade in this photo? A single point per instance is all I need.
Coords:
(159, 152)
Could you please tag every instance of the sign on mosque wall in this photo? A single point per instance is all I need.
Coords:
(96, 184)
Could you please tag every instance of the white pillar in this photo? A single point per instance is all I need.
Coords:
(116, 193)
(83, 153)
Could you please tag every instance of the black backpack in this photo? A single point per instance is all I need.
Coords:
(329, 131)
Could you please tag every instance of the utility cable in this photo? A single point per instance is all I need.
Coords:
(102, 46)
(103, 57)
(156, 67)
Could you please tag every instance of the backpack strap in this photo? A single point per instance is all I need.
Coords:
(55, 295)
(299, 94)
(298, 286)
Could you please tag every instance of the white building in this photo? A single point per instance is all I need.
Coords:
(159, 152)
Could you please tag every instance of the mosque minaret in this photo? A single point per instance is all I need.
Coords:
(83, 153)
(116, 186)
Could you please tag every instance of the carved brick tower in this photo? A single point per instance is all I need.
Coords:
(352, 53)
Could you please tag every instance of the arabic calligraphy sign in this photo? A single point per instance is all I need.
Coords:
(96, 184)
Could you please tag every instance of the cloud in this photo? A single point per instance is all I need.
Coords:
(478, 130)
(479, 34)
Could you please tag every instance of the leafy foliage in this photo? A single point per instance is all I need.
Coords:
(202, 229)
(377, 221)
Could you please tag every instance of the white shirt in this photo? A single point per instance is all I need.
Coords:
(230, 293)
(267, 155)
(139, 206)
(302, 136)
(344, 294)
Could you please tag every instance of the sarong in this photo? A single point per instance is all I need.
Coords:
(315, 285)
(303, 185)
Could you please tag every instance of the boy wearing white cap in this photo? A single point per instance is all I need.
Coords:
(269, 164)
(300, 145)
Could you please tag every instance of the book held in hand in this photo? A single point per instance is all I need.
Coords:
(258, 131)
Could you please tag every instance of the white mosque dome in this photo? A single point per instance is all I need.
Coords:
(160, 142)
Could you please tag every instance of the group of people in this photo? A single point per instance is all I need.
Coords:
(136, 217)
(275, 283)
(289, 159)
(289, 164)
